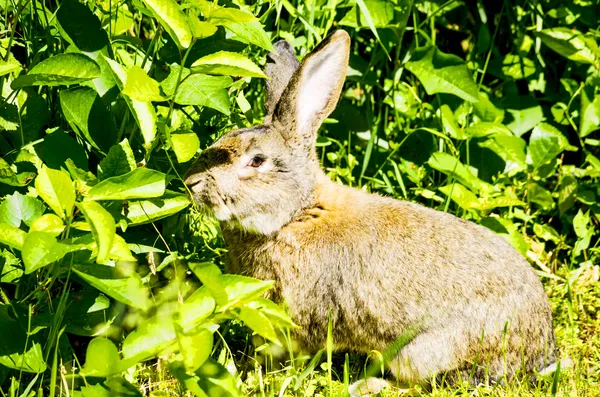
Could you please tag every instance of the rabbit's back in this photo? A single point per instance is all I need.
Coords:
(385, 268)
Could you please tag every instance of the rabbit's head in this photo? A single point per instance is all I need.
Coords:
(258, 178)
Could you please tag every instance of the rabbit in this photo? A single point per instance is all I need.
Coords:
(455, 298)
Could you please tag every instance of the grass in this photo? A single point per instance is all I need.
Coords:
(575, 300)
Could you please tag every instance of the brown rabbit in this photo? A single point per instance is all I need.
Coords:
(383, 268)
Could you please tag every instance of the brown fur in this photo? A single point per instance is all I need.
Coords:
(383, 268)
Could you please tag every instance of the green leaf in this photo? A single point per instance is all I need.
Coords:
(581, 223)
(452, 167)
(546, 232)
(102, 225)
(540, 196)
(139, 183)
(9, 66)
(509, 231)
(449, 123)
(545, 143)
(381, 14)
(120, 250)
(196, 309)
(244, 25)
(18, 350)
(195, 347)
(19, 208)
(204, 90)
(216, 381)
(276, 314)
(566, 193)
(227, 63)
(114, 386)
(81, 26)
(141, 87)
(41, 249)
(59, 147)
(62, 69)
(89, 117)
(120, 160)
(509, 148)
(522, 113)
(144, 113)
(185, 145)
(571, 44)
(589, 120)
(201, 29)
(10, 177)
(48, 223)
(125, 287)
(101, 359)
(11, 269)
(462, 196)
(517, 67)
(12, 236)
(145, 211)
(229, 290)
(172, 19)
(484, 129)
(259, 323)
(56, 189)
(443, 73)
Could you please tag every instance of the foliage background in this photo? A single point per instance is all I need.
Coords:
(489, 110)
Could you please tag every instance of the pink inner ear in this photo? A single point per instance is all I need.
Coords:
(320, 78)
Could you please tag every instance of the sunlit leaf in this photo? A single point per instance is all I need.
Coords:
(62, 69)
(102, 227)
(227, 63)
(571, 44)
(172, 19)
(56, 189)
(139, 183)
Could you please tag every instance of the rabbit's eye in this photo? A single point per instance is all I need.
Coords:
(255, 162)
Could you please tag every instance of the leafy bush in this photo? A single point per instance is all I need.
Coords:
(489, 110)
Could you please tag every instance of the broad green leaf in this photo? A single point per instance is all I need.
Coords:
(120, 160)
(18, 350)
(11, 269)
(381, 13)
(244, 25)
(216, 381)
(114, 386)
(443, 73)
(81, 26)
(449, 123)
(145, 211)
(185, 145)
(9, 66)
(41, 249)
(545, 143)
(59, 147)
(18, 208)
(150, 338)
(571, 44)
(452, 167)
(48, 223)
(522, 113)
(566, 193)
(546, 232)
(195, 347)
(509, 148)
(196, 309)
(497, 202)
(259, 323)
(12, 236)
(589, 120)
(581, 223)
(540, 196)
(229, 290)
(276, 314)
(517, 67)
(125, 287)
(509, 231)
(484, 129)
(10, 177)
(227, 63)
(172, 19)
(101, 359)
(120, 250)
(204, 90)
(144, 113)
(170, 83)
(102, 225)
(56, 189)
(89, 117)
(461, 195)
(200, 29)
(139, 183)
(141, 87)
(62, 69)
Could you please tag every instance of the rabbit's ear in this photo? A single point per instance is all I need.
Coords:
(281, 65)
(313, 90)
